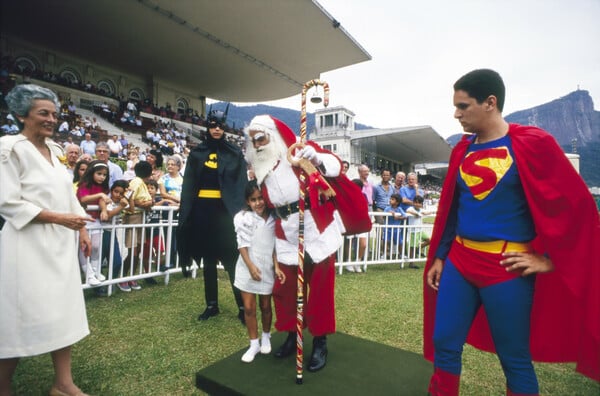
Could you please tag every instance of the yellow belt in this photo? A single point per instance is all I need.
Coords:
(209, 194)
(496, 247)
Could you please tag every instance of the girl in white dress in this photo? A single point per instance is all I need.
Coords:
(256, 267)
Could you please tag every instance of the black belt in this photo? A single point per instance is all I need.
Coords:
(283, 212)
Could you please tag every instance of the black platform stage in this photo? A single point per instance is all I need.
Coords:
(355, 366)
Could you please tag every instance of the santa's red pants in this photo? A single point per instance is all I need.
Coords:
(319, 307)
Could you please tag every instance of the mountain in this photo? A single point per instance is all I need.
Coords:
(240, 116)
(574, 124)
(567, 118)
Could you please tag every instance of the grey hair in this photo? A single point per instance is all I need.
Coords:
(20, 99)
(177, 159)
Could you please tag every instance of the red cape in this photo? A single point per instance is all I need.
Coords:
(565, 318)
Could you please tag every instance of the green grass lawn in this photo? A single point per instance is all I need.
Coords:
(150, 343)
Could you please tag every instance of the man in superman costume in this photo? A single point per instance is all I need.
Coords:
(516, 234)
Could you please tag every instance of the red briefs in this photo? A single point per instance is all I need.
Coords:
(480, 265)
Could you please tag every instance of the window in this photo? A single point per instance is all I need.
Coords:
(136, 94)
(25, 65)
(70, 76)
(182, 106)
(106, 87)
(328, 120)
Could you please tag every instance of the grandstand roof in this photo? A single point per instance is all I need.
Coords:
(413, 145)
(235, 50)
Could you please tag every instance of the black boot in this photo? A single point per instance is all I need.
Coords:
(288, 347)
(318, 358)
(211, 310)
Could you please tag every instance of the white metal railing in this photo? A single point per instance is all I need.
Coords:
(384, 244)
(157, 256)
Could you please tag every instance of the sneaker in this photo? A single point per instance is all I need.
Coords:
(250, 354)
(92, 281)
(350, 268)
(151, 281)
(265, 345)
(134, 285)
(357, 268)
(124, 287)
(100, 277)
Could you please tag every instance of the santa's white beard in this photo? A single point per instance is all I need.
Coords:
(265, 158)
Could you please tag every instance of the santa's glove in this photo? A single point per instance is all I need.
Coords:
(310, 154)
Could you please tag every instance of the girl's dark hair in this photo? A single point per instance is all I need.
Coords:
(418, 199)
(250, 188)
(397, 197)
(78, 164)
(87, 180)
(124, 184)
(142, 169)
(159, 158)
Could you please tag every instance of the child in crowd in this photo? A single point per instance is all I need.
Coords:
(154, 246)
(394, 233)
(117, 204)
(139, 201)
(256, 267)
(93, 190)
(133, 158)
(78, 171)
(418, 238)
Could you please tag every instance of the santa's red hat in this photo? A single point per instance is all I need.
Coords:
(272, 125)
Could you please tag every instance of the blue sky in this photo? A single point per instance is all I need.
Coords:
(544, 49)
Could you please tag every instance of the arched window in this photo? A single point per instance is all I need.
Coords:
(70, 76)
(182, 106)
(106, 87)
(26, 65)
(137, 95)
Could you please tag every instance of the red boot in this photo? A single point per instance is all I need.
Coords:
(443, 383)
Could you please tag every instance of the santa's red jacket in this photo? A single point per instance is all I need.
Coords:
(565, 318)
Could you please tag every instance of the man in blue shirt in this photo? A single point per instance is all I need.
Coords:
(410, 191)
(381, 194)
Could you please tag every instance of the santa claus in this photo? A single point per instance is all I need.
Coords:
(266, 152)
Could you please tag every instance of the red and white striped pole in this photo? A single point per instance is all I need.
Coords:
(301, 207)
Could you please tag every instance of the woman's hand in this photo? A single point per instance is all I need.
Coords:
(72, 221)
(104, 215)
(85, 242)
(529, 263)
(435, 273)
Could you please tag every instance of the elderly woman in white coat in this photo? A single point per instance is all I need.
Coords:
(41, 301)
